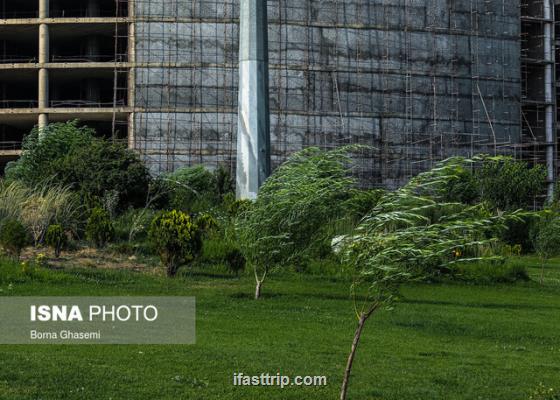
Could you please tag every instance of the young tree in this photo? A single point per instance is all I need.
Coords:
(410, 234)
(305, 194)
(547, 240)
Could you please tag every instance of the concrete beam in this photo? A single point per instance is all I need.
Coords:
(63, 21)
(253, 137)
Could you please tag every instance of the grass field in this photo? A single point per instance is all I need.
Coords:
(443, 341)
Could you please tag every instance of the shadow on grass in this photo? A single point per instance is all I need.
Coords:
(491, 306)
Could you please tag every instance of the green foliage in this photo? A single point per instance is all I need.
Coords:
(236, 208)
(133, 225)
(191, 189)
(464, 189)
(176, 238)
(37, 208)
(56, 239)
(362, 202)
(99, 228)
(207, 224)
(304, 194)
(547, 239)
(224, 181)
(507, 184)
(235, 261)
(95, 168)
(13, 237)
(413, 232)
(522, 232)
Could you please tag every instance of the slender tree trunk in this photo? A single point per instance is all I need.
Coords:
(361, 323)
(259, 282)
(258, 290)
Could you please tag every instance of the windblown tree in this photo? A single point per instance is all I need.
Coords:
(413, 233)
(308, 192)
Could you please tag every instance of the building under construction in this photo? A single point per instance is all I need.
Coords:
(417, 81)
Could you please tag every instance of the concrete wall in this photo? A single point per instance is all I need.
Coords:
(400, 75)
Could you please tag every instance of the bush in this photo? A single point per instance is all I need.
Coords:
(56, 239)
(13, 237)
(176, 238)
(93, 167)
(99, 228)
(190, 189)
(547, 239)
(235, 261)
(207, 225)
(507, 184)
(236, 208)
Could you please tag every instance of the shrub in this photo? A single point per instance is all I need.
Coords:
(56, 239)
(547, 239)
(224, 181)
(190, 189)
(236, 208)
(13, 237)
(99, 228)
(207, 224)
(93, 167)
(507, 184)
(235, 261)
(176, 238)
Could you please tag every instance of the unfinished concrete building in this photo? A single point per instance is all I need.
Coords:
(416, 80)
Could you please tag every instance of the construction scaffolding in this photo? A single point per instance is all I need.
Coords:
(415, 81)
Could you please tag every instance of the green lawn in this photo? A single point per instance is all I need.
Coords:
(443, 341)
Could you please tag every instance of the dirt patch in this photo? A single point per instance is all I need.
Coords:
(89, 258)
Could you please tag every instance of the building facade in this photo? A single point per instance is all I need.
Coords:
(418, 81)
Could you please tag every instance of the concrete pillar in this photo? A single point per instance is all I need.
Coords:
(550, 95)
(131, 74)
(253, 137)
(44, 56)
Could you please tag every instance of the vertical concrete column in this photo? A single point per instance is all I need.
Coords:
(131, 72)
(43, 59)
(549, 90)
(253, 137)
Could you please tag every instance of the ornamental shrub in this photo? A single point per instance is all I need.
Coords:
(207, 224)
(176, 238)
(56, 239)
(99, 228)
(13, 237)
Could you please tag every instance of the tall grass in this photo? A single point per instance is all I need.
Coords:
(37, 208)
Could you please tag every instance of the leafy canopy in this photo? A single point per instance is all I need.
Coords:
(414, 232)
(70, 155)
(304, 195)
